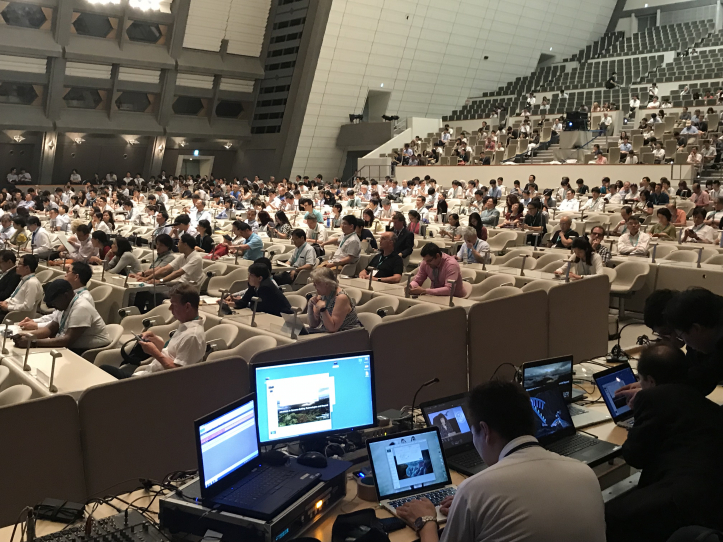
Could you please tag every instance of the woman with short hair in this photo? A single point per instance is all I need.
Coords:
(123, 258)
(331, 309)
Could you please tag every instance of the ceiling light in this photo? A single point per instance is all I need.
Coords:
(79, 140)
(160, 148)
(105, 2)
(18, 138)
(51, 145)
(182, 143)
(133, 142)
(228, 145)
(550, 48)
(146, 5)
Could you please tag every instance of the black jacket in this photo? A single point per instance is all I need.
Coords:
(272, 301)
(405, 243)
(8, 284)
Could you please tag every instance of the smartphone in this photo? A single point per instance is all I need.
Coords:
(139, 338)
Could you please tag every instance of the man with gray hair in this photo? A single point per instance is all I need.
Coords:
(387, 266)
(474, 249)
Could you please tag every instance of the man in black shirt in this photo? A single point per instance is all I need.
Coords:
(388, 265)
(404, 244)
(9, 279)
(563, 237)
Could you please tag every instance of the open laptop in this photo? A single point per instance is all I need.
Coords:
(231, 475)
(608, 382)
(555, 430)
(559, 372)
(449, 416)
(409, 466)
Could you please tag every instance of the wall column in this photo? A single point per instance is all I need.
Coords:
(718, 17)
(47, 157)
(154, 157)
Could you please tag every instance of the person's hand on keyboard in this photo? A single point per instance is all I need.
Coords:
(414, 509)
(445, 504)
(629, 391)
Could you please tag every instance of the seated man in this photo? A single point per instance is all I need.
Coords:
(253, 247)
(387, 266)
(78, 328)
(83, 244)
(634, 241)
(29, 292)
(186, 267)
(699, 232)
(405, 239)
(302, 258)
(349, 244)
(40, 240)
(439, 268)
(563, 237)
(164, 256)
(490, 216)
(261, 285)
(474, 249)
(78, 276)
(677, 441)
(9, 278)
(186, 347)
(504, 502)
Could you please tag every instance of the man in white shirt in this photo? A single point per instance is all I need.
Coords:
(187, 267)
(302, 257)
(605, 122)
(699, 232)
(595, 203)
(199, 213)
(186, 347)
(694, 158)
(634, 103)
(80, 327)
(503, 501)
(315, 232)
(474, 249)
(707, 153)
(7, 230)
(40, 239)
(29, 292)
(349, 245)
(83, 244)
(570, 203)
(634, 241)
(713, 218)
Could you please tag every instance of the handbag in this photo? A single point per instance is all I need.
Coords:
(133, 355)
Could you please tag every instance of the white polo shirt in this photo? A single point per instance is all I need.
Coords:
(192, 266)
(27, 294)
(186, 347)
(81, 313)
(507, 501)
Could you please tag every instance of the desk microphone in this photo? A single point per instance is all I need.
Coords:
(435, 380)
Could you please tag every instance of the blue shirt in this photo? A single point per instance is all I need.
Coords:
(317, 214)
(495, 192)
(256, 248)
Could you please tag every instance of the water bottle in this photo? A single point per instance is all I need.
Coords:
(328, 220)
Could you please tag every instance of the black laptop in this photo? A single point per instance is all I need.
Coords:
(231, 475)
(555, 430)
(449, 416)
(608, 382)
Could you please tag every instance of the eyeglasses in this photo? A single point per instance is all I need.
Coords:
(597, 234)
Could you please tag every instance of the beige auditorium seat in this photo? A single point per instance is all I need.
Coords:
(369, 320)
(158, 316)
(682, 256)
(275, 249)
(545, 259)
(222, 337)
(17, 316)
(706, 254)
(630, 278)
(497, 293)
(468, 275)
(102, 296)
(115, 331)
(4, 373)
(308, 289)
(225, 282)
(551, 267)
(538, 285)
(491, 282)
(45, 275)
(296, 300)
(502, 240)
(715, 260)
(416, 310)
(499, 260)
(353, 293)
(214, 270)
(387, 302)
(246, 350)
(516, 262)
(611, 273)
(663, 250)
(15, 394)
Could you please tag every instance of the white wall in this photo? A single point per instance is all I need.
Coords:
(430, 55)
(640, 4)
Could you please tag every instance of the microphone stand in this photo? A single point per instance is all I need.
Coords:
(524, 260)
(451, 292)
(253, 316)
(8, 323)
(567, 272)
(55, 355)
(406, 290)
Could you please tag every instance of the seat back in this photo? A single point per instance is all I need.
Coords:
(296, 300)
(369, 320)
(501, 291)
(490, 283)
(538, 285)
(379, 302)
(682, 256)
(228, 333)
(517, 262)
(630, 276)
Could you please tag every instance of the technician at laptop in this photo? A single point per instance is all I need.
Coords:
(507, 500)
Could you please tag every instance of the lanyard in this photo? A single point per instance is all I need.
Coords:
(522, 447)
(66, 314)
(21, 285)
(297, 253)
(344, 240)
(637, 239)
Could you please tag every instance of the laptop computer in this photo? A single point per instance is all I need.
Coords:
(555, 430)
(409, 466)
(449, 416)
(231, 475)
(608, 382)
(559, 371)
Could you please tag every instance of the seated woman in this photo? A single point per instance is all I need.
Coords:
(645, 205)
(663, 229)
(331, 309)
(283, 228)
(100, 241)
(123, 258)
(264, 220)
(475, 221)
(514, 217)
(586, 262)
(452, 229)
(415, 222)
(204, 239)
(261, 285)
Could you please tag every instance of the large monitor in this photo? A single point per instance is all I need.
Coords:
(314, 397)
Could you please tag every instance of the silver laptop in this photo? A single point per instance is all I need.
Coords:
(559, 372)
(410, 466)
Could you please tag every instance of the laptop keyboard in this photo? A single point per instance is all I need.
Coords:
(257, 486)
(576, 410)
(435, 496)
(572, 445)
(468, 459)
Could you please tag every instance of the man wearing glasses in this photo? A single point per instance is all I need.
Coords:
(597, 234)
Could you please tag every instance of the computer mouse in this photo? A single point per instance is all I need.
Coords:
(312, 459)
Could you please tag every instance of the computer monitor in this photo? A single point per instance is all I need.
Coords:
(314, 397)
(546, 372)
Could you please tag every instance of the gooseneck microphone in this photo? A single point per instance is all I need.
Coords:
(435, 380)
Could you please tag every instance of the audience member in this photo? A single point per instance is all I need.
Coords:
(474, 249)
(349, 245)
(563, 237)
(9, 278)
(331, 309)
(440, 269)
(633, 241)
(387, 266)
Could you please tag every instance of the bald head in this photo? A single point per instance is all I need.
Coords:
(565, 223)
(387, 241)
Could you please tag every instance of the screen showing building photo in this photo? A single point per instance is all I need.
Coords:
(551, 413)
(300, 405)
(559, 374)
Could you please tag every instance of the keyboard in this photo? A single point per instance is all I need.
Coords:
(576, 410)
(257, 486)
(468, 459)
(435, 496)
(572, 445)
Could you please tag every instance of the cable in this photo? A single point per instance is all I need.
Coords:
(514, 377)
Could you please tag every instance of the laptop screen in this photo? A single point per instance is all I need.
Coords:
(408, 462)
(557, 371)
(609, 383)
(227, 442)
(552, 418)
(451, 420)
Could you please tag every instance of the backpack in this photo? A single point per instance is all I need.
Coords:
(696, 534)
(318, 250)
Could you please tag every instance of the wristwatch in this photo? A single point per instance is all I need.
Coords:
(420, 522)
(323, 309)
